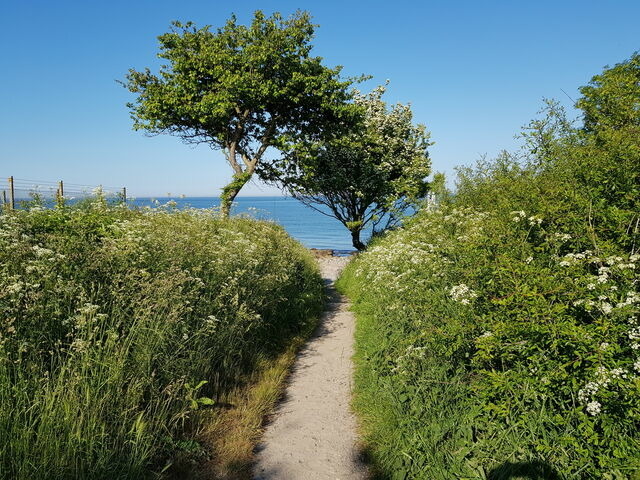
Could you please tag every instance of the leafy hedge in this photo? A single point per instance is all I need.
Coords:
(498, 333)
(117, 327)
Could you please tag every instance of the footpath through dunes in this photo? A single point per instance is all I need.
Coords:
(312, 434)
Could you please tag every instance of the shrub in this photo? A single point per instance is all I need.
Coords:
(484, 340)
(498, 333)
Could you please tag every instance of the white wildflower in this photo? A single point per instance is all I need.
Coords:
(594, 408)
(15, 287)
(589, 389)
(88, 309)
(618, 373)
(563, 236)
(624, 266)
(41, 251)
(606, 308)
(462, 293)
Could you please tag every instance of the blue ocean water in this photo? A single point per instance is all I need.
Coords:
(310, 227)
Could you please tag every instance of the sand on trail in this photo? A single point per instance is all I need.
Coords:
(312, 433)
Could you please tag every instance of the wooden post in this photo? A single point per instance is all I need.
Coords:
(60, 193)
(124, 194)
(12, 197)
(4, 197)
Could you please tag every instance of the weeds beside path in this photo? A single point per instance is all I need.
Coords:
(123, 330)
(313, 431)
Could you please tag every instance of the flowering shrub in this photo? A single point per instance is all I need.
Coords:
(498, 333)
(484, 340)
(117, 326)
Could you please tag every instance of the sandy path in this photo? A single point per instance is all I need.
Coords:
(312, 433)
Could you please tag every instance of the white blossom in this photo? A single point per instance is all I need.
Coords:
(462, 294)
(594, 408)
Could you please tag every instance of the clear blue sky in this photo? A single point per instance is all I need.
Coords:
(474, 72)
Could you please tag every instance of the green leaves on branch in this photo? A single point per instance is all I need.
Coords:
(367, 174)
(611, 98)
(241, 89)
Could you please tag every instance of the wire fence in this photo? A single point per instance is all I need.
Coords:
(15, 191)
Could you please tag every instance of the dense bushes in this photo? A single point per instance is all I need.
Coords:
(118, 326)
(499, 334)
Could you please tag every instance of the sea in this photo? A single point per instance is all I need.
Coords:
(310, 227)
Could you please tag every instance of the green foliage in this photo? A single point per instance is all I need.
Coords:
(119, 327)
(479, 341)
(610, 101)
(438, 187)
(241, 89)
(367, 174)
(608, 161)
(498, 333)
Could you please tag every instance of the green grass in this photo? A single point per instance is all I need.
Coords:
(122, 332)
(233, 433)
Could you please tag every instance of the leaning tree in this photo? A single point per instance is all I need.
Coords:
(369, 174)
(241, 89)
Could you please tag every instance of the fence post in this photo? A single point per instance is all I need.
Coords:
(124, 194)
(4, 198)
(12, 198)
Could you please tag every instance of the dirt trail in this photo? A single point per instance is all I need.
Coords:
(313, 433)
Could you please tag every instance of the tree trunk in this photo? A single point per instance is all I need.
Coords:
(229, 192)
(225, 203)
(355, 240)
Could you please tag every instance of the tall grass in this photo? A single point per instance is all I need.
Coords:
(118, 328)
